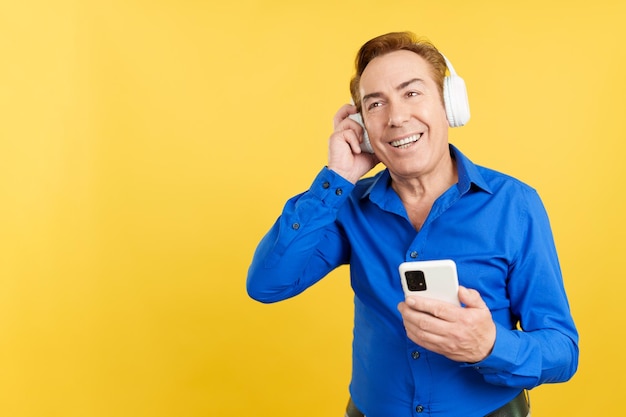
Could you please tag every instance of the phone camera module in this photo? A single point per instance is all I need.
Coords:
(415, 280)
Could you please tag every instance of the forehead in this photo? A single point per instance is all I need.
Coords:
(392, 69)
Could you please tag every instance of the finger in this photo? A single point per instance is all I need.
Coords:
(351, 132)
(471, 298)
(348, 136)
(343, 112)
(439, 309)
(423, 328)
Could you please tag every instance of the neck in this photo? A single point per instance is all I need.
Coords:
(419, 193)
(429, 185)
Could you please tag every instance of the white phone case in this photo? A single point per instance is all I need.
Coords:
(434, 279)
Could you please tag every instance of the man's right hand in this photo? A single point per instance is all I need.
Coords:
(345, 156)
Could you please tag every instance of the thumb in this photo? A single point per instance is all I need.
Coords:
(471, 298)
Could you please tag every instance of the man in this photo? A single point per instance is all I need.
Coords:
(420, 356)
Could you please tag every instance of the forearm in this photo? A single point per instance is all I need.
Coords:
(303, 245)
(528, 359)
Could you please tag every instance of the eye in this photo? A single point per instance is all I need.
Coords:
(374, 105)
(413, 93)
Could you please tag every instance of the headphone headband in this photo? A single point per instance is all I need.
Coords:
(449, 65)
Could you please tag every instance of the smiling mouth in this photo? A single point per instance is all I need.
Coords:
(406, 142)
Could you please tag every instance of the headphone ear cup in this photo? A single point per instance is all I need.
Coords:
(455, 100)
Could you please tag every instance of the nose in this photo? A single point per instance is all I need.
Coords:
(398, 114)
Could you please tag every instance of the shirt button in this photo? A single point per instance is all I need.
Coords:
(419, 409)
(326, 185)
(338, 191)
(415, 355)
(295, 226)
(413, 254)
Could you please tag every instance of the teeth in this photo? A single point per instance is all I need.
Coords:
(403, 143)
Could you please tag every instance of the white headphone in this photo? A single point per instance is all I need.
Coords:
(455, 97)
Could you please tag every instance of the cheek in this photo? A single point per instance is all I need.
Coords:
(435, 109)
(436, 115)
(375, 124)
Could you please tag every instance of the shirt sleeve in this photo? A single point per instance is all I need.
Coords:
(304, 244)
(545, 348)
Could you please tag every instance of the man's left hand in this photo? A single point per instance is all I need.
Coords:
(463, 334)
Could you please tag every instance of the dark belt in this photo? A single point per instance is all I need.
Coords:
(517, 407)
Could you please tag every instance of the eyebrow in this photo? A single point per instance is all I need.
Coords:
(402, 86)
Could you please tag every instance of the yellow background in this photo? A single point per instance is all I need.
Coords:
(146, 147)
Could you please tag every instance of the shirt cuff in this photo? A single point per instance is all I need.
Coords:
(331, 188)
(504, 348)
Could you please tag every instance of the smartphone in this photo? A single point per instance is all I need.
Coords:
(434, 279)
(366, 145)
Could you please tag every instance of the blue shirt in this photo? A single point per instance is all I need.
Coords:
(496, 230)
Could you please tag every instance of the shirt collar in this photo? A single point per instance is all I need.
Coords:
(468, 174)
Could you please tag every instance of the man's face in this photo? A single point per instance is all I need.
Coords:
(404, 114)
